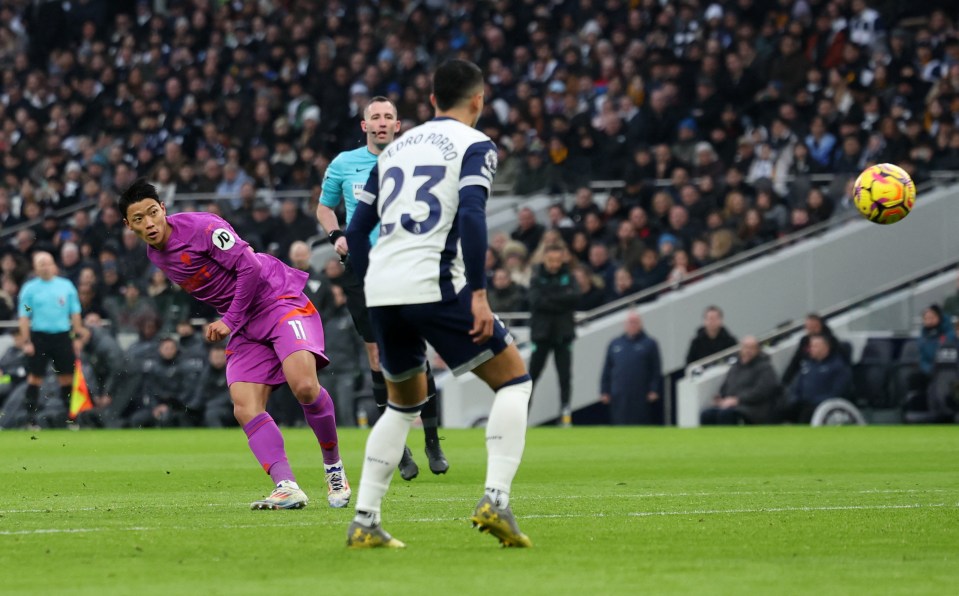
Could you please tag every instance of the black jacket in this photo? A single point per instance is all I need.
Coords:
(703, 345)
(512, 298)
(552, 301)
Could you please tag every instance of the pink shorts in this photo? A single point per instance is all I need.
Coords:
(256, 353)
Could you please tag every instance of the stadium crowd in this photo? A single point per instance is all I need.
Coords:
(716, 117)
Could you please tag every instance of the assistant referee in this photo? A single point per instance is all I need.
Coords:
(49, 307)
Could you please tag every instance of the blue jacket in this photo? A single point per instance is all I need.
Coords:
(819, 381)
(930, 340)
(632, 369)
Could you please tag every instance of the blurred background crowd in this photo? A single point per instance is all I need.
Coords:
(671, 133)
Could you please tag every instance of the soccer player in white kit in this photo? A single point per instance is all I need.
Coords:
(425, 282)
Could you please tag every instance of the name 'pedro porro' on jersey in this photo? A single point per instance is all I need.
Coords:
(416, 183)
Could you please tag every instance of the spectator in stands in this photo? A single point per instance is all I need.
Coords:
(645, 231)
(344, 347)
(753, 231)
(592, 294)
(191, 343)
(126, 313)
(559, 220)
(9, 291)
(628, 249)
(107, 229)
(166, 387)
(102, 352)
(596, 230)
(601, 264)
(170, 301)
(632, 379)
(652, 270)
(553, 295)
(210, 401)
(515, 261)
(723, 243)
(936, 331)
(823, 375)
(614, 213)
(818, 206)
(681, 266)
(7, 217)
(583, 204)
(550, 238)
(814, 325)
(505, 295)
(534, 174)
(70, 261)
(623, 285)
(749, 393)
(528, 230)
(132, 261)
(295, 226)
(13, 367)
(711, 338)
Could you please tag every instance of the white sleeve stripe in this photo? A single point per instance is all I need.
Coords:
(366, 196)
(474, 181)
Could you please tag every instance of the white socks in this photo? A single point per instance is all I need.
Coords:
(384, 448)
(505, 439)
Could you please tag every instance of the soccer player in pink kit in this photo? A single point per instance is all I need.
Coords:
(276, 335)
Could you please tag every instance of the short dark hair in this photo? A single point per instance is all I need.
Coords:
(380, 99)
(454, 82)
(554, 248)
(136, 192)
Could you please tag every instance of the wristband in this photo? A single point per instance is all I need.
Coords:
(336, 235)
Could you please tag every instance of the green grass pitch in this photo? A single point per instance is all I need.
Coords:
(790, 510)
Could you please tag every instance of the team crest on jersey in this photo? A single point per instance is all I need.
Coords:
(489, 164)
(223, 239)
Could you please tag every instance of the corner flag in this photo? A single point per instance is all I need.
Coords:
(80, 396)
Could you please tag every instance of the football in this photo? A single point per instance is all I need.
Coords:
(884, 193)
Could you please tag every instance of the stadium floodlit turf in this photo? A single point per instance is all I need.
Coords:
(839, 510)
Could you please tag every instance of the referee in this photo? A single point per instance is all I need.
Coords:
(49, 306)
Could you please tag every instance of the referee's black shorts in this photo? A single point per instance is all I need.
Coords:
(356, 302)
(56, 347)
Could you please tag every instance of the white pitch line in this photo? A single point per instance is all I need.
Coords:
(343, 522)
(657, 495)
(792, 509)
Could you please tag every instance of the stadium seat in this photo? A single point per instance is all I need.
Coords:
(940, 402)
(837, 412)
(871, 376)
(901, 373)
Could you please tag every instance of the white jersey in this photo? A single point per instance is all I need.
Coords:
(415, 186)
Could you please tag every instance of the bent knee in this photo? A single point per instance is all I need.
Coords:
(305, 390)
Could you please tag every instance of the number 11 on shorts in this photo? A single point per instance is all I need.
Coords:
(298, 330)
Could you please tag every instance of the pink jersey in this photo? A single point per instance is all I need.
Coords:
(205, 257)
